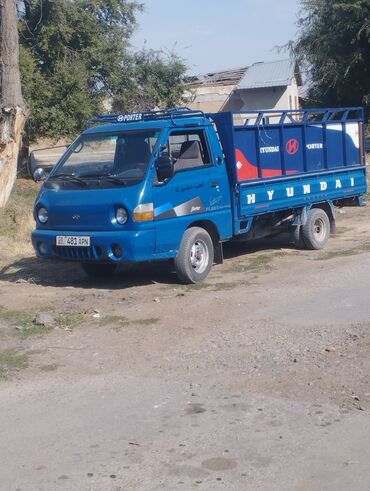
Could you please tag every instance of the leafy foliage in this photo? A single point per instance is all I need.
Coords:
(75, 57)
(334, 44)
(157, 81)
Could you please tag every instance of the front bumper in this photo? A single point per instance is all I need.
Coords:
(136, 246)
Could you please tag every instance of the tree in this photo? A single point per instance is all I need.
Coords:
(12, 107)
(76, 57)
(156, 81)
(334, 45)
(70, 50)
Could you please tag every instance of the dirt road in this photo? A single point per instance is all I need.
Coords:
(257, 380)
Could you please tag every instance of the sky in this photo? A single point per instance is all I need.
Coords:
(218, 34)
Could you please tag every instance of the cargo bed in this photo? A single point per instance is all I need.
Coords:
(281, 160)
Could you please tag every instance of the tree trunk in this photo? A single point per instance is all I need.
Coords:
(12, 107)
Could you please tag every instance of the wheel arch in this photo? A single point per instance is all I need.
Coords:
(212, 229)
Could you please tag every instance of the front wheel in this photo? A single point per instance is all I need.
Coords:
(195, 257)
(97, 270)
(316, 230)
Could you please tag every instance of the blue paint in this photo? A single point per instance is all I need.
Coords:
(274, 162)
(295, 192)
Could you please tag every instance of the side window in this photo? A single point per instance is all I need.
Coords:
(189, 149)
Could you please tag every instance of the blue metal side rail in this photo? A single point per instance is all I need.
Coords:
(261, 197)
(294, 116)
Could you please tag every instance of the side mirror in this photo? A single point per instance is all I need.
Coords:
(165, 167)
(39, 174)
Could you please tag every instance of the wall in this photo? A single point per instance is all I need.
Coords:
(209, 98)
(227, 98)
(271, 98)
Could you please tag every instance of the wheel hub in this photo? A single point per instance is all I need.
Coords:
(320, 229)
(199, 256)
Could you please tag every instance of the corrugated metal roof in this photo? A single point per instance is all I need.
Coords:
(273, 74)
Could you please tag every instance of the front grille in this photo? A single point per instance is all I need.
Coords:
(78, 253)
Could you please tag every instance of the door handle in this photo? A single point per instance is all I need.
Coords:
(214, 184)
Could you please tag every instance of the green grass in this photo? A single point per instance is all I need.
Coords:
(24, 322)
(144, 322)
(11, 361)
(112, 319)
(68, 321)
(225, 285)
(212, 287)
(197, 286)
(17, 318)
(261, 261)
(255, 263)
(33, 330)
(333, 254)
(344, 252)
(48, 368)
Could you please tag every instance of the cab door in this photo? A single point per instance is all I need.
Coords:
(198, 190)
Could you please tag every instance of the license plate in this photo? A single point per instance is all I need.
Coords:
(73, 240)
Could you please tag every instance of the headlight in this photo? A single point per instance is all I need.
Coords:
(121, 216)
(42, 215)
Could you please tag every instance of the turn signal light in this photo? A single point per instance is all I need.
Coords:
(144, 212)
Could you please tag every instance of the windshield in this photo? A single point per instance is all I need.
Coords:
(122, 158)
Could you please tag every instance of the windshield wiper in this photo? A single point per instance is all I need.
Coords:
(113, 178)
(69, 177)
(108, 177)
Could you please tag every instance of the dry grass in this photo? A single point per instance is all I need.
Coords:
(365, 247)
(118, 321)
(16, 219)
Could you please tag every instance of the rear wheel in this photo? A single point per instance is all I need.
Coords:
(96, 270)
(195, 257)
(316, 230)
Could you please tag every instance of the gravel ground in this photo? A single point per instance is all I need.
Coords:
(256, 380)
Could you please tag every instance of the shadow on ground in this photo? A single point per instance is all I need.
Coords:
(59, 273)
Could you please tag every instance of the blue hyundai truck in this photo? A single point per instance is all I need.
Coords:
(178, 183)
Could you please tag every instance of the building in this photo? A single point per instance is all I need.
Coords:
(272, 85)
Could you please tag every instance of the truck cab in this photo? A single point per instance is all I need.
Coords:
(128, 189)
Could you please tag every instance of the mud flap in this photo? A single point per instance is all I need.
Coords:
(219, 253)
(301, 216)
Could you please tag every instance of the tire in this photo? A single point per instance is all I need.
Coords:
(316, 231)
(96, 270)
(195, 257)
